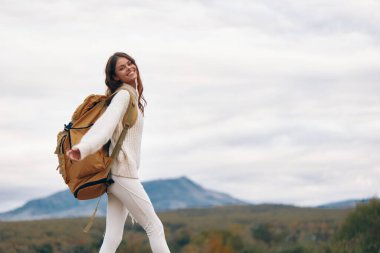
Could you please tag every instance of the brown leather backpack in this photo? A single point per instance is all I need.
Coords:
(89, 178)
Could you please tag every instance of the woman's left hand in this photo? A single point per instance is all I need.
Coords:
(74, 154)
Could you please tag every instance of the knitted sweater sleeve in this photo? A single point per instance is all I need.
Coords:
(104, 126)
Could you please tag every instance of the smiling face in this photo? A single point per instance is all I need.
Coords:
(125, 71)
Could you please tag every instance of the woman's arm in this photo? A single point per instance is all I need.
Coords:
(104, 126)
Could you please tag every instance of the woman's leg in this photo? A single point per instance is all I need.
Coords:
(116, 216)
(133, 196)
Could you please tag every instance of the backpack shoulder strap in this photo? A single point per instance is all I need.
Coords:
(130, 116)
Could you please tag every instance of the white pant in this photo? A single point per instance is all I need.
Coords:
(128, 195)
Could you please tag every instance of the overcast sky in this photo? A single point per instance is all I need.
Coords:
(269, 101)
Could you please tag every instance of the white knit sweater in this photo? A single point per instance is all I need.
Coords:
(109, 126)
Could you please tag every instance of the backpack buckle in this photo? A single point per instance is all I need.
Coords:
(68, 127)
(109, 181)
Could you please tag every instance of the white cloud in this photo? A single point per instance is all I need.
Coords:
(268, 101)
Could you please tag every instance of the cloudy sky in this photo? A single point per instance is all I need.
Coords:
(269, 101)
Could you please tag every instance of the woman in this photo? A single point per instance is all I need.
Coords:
(126, 195)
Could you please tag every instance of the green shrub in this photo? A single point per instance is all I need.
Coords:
(360, 232)
(263, 233)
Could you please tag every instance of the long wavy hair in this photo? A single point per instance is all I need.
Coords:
(113, 84)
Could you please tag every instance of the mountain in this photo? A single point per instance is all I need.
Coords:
(165, 194)
(351, 203)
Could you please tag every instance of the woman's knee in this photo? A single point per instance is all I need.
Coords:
(154, 227)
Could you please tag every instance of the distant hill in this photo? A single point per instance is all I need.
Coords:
(343, 204)
(165, 194)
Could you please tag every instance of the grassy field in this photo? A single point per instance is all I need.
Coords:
(242, 229)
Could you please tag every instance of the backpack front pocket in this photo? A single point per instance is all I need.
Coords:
(90, 165)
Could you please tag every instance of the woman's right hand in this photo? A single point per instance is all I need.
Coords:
(74, 154)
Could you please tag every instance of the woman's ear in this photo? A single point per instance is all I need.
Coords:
(115, 78)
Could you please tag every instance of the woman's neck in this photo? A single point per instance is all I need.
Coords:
(134, 84)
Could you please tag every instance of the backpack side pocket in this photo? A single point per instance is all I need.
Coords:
(60, 152)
